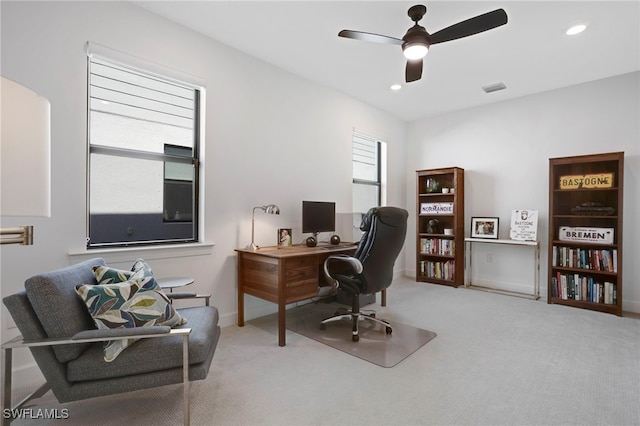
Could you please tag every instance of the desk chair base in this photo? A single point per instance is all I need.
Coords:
(355, 317)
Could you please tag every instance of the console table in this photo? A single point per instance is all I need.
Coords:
(283, 275)
(535, 269)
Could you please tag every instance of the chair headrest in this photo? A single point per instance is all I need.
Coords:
(392, 216)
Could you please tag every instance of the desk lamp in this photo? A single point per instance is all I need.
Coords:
(25, 152)
(269, 209)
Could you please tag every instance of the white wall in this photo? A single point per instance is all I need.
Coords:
(505, 150)
(271, 137)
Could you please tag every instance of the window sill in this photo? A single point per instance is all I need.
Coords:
(125, 254)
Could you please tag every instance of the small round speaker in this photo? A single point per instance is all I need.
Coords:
(335, 239)
(311, 242)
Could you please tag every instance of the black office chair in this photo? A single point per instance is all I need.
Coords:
(370, 269)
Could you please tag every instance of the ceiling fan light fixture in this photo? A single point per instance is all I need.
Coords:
(413, 51)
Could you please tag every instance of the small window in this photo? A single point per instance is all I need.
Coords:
(143, 156)
(368, 166)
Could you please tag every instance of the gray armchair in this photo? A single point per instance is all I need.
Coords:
(68, 348)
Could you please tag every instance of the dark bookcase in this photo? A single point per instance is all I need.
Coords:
(440, 226)
(585, 231)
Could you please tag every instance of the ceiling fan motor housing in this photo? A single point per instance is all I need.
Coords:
(416, 36)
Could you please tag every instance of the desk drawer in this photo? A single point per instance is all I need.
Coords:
(301, 278)
(300, 269)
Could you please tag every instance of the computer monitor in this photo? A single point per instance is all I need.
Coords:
(318, 216)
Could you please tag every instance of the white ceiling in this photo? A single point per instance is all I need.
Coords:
(530, 54)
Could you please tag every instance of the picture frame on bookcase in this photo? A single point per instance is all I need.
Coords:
(485, 227)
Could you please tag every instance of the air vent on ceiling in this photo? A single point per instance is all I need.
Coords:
(494, 87)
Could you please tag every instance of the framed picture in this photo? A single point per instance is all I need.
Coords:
(484, 227)
(284, 237)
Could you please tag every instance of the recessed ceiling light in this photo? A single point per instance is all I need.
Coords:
(576, 29)
(395, 87)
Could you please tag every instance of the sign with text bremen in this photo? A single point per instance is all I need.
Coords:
(596, 180)
(586, 235)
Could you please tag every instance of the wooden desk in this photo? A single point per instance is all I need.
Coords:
(283, 276)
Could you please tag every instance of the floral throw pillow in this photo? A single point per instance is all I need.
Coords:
(138, 302)
(109, 275)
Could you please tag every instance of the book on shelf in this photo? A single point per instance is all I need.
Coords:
(580, 258)
(438, 246)
(582, 287)
(440, 270)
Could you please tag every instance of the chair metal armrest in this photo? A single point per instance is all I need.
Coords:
(89, 336)
(188, 295)
(181, 294)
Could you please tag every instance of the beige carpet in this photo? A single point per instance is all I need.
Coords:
(497, 360)
(375, 346)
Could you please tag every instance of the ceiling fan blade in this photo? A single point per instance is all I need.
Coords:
(480, 23)
(414, 70)
(375, 38)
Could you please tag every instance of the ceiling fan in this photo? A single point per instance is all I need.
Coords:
(417, 40)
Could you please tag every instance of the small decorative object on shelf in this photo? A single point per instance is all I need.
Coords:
(585, 231)
(335, 239)
(434, 227)
(440, 207)
(432, 185)
(593, 208)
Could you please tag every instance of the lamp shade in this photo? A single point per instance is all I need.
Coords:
(25, 152)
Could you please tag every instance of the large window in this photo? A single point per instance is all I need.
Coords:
(143, 156)
(368, 173)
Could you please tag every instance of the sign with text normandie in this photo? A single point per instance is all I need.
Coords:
(436, 208)
(596, 180)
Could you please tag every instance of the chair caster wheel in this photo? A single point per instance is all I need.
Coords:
(323, 326)
(388, 330)
(355, 338)
(373, 315)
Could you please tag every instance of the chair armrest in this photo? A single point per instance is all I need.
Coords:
(188, 295)
(81, 337)
(121, 332)
(354, 265)
(181, 295)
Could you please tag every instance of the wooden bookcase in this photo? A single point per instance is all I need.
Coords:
(440, 256)
(585, 231)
